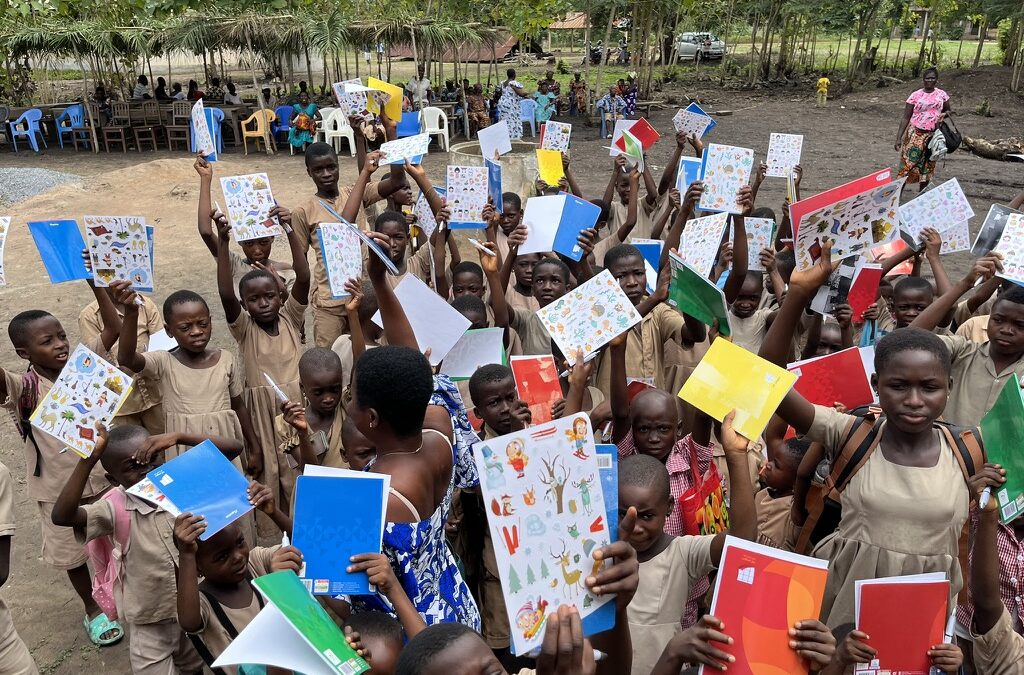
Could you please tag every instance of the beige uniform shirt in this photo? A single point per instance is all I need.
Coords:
(535, 337)
(7, 632)
(974, 329)
(749, 332)
(976, 384)
(645, 348)
(999, 651)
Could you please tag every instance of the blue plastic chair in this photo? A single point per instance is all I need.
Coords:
(214, 119)
(528, 111)
(72, 118)
(30, 118)
(283, 122)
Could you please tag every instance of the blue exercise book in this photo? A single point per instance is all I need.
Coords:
(608, 471)
(690, 170)
(337, 517)
(202, 481)
(577, 215)
(409, 125)
(694, 108)
(651, 251)
(60, 245)
(494, 184)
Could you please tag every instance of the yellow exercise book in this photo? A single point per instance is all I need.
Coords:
(394, 106)
(549, 166)
(731, 377)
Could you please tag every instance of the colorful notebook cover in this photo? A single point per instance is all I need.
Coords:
(475, 348)
(248, 200)
(837, 290)
(904, 617)
(1002, 429)
(409, 125)
(352, 102)
(643, 131)
(863, 289)
(467, 196)
(554, 223)
(689, 173)
(494, 192)
(292, 632)
(88, 390)
(991, 230)
(956, 239)
(783, 154)
(424, 216)
(725, 170)
(760, 235)
(549, 166)
(342, 254)
(694, 108)
(729, 377)
(336, 517)
(691, 123)
(589, 316)
(202, 481)
(836, 378)
(701, 241)
(60, 245)
(887, 250)
(119, 248)
(760, 593)
(537, 383)
(546, 515)
(693, 293)
(371, 245)
(436, 324)
(797, 210)
(393, 108)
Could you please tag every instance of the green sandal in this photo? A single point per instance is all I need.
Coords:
(100, 624)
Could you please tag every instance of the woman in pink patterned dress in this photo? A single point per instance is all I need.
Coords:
(925, 110)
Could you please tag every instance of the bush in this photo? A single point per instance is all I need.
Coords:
(984, 109)
(562, 67)
(1003, 34)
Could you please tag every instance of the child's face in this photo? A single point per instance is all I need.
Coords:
(749, 297)
(383, 654)
(655, 424)
(476, 319)
(831, 340)
(324, 172)
(46, 344)
(622, 187)
(510, 217)
(224, 557)
(779, 472)
(909, 304)
(191, 326)
(885, 293)
(495, 405)
(356, 449)
(468, 655)
(631, 275)
(523, 269)
(322, 389)
(403, 195)
(467, 283)
(652, 510)
(548, 284)
(120, 465)
(912, 390)
(398, 233)
(257, 250)
(1006, 328)
(262, 299)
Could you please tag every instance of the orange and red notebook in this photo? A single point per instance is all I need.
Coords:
(537, 382)
(836, 378)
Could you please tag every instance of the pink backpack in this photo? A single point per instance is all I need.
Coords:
(106, 555)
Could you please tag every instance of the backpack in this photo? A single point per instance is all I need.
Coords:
(106, 555)
(229, 628)
(951, 134)
(22, 416)
(861, 436)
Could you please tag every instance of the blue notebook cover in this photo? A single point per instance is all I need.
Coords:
(690, 169)
(202, 481)
(409, 125)
(608, 470)
(60, 245)
(652, 256)
(577, 215)
(336, 517)
(694, 108)
(494, 184)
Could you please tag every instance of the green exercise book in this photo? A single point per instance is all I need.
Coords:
(692, 293)
(1002, 429)
(292, 632)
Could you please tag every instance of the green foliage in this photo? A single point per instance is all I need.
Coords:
(562, 68)
(984, 108)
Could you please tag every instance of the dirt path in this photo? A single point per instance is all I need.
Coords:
(850, 138)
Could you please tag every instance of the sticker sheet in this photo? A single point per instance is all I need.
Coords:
(956, 239)
(760, 234)
(352, 102)
(424, 216)
(853, 225)
(942, 207)
(991, 230)
(589, 316)
(401, 149)
(467, 195)
(343, 256)
(5, 226)
(691, 123)
(1011, 245)
(89, 390)
(556, 136)
(783, 154)
(726, 169)
(701, 241)
(545, 508)
(119, 248)
(204, 139)
(248, 201)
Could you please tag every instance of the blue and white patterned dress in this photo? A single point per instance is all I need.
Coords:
(418, 552)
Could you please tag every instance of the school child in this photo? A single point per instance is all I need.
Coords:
(214, 611)
(147, 595)
(980, 370)
(364, 334)
(828, 335)
(14, 655)
(267, 332)
(620, 184)
(774, 501)
(500, 226)
(672, 566)
(905, 507)
(394, 226)
(39, 338)
(201, 388)
(311, 433)
(382, 637)
(519, 269)
(821, 90)
(356, 449)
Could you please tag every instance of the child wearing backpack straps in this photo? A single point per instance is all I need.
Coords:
(905, 506)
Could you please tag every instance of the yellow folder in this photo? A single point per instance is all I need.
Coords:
(393, 108)
(549, 166)
(730, 377)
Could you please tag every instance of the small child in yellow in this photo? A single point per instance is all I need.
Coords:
(822, 87)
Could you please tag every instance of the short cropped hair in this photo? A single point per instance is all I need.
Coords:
(252, 275)
(389, 217)
(1014, 294)
(430, 642)
(621, 252)
(17, 329)
(318, 150)
(645, 471)
(763, 212)
(912, 284)
(318, 359)
(469, 303)
(396, 382)
(513, 199)
(911, 339)
(492, 373)
(378, 625)
(180, 298)
(468, 267)
(555, 262)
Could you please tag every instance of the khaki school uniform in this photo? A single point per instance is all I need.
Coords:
(148, 598)
(535, 337)
(645, 348)
(976, 384)
(975, 329)
(962, 312)
(327, 446)
(774, 523)
(749, 332)
(493, 613)
(520, 302)
(664, 585)
(1000, 651)
(240, 267)
(645, 216)
(15, 659)
(48, 469)
(329, 320)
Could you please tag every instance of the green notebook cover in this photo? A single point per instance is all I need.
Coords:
(1002, 429)
(289, 595)
(692, 293)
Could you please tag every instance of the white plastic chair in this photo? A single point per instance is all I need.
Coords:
(336, 128)
(325, 114)
(435, 123)
(528, 111)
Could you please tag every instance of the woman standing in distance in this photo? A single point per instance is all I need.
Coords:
(508, 105)
(925, 110)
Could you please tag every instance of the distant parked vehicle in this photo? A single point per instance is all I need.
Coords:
(699, 47)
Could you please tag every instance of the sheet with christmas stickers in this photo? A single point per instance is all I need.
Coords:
(119, 247)
(249, 200)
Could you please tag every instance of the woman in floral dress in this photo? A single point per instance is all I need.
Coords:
(508, 105)
(925, 110)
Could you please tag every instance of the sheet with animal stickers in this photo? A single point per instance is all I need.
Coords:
(119, 248)
(941, 208)
(689, 122)
(1011, 245)
(248, 200)
(556, 136)
(89, 390)
(546, 514)
(783, 154)
(726, 169)
(401, 149)
(343, 256)
(204, 139)
(5, 226)
(701, 241)
(424, 216)
(467, 196)
(589, 316)
(351, 100)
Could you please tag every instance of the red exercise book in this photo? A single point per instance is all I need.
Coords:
(644, 133)
(903, 618)
(863, 289)
(798, 210)
(836, 378)
(537, 382)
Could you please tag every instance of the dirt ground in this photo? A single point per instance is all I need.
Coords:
(850, 138)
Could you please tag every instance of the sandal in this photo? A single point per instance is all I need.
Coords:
(100, 624)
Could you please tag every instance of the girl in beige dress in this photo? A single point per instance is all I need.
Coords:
(267, 331)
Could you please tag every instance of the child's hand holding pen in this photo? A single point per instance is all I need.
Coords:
(121, 292)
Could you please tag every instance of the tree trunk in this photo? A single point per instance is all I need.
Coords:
(607, 39)
(981, 39)
(309, 66)
(728, 29)
(924, 42)
(1010, 53)
(259, 97)
(586, 47)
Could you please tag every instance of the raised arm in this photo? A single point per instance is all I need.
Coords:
(985, 569)
(397, 328)
(739, 247)
(206, 233)
(985, 267)
(419, 176)
(659, 225)
(650, 187)
(619, 390)
(618, 166)
(933, 249)
(489, 264)
(300, 264)
(187, 529)
(682, 215)
(742, 512)
(440, 240)
(574, 186)
(225, 282)
(127, 356)
(1017, 201)
(66, 511)
(668, 176)
(355, 197)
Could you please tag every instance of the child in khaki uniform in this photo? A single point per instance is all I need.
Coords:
(147, 597)
(15, 658)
